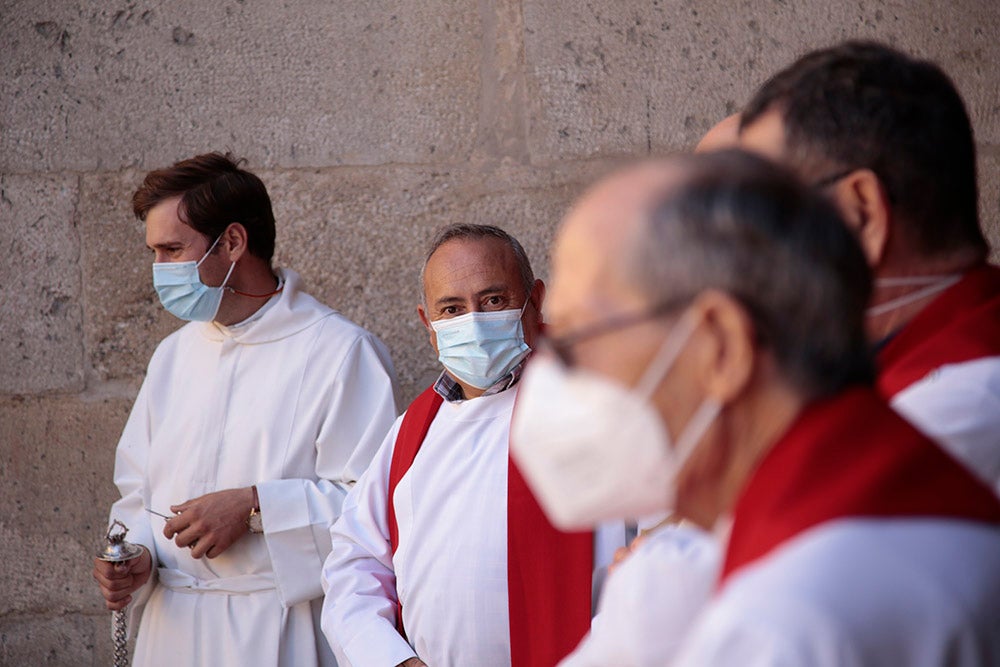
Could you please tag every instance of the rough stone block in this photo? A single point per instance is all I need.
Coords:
(40, 310)
(125, 320)
(105, 86)
(72, 640)
(989, 199)
(56, 483)
(634, 77)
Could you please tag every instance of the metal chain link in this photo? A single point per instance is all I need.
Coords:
(121, 637)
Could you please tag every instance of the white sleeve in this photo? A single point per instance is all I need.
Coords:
(359, 611)
(358, 407)
(958, 405)
(131, 458)
(650, 600)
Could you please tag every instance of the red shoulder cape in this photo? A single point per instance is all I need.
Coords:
(849, 456)
(961, 324)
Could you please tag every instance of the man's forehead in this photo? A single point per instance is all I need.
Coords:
(471, 264)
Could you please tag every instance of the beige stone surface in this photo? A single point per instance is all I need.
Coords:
(108, 85)
(635, 77)
(373, 125)
(55, 487)
(989, 199)
(124, 319)
(71, 640)
(40, 309)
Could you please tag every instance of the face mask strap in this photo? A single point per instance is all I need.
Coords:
(666, 356)
(913, 281)
(231, 267)
(695, 429)
(893, 304)
(210, 249)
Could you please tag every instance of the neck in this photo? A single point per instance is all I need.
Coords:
(251, 276)
(884, 324)
(467, 389)
(742, 437)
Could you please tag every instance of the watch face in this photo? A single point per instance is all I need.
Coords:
(255, 524)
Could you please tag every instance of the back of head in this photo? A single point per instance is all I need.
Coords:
(215, 192)
(742, 225)
(865, 105)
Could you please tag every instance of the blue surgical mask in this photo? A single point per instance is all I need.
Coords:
(179, 286)
(481, 348)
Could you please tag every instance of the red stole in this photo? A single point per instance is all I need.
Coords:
(962, 324)
(549, 573)
(849, 456)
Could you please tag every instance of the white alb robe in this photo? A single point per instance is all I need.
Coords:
(651, 599)
(860, 593)
(450, 568)
(295, 401)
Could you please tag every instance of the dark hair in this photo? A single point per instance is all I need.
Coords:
(466, 230)
(744, 226)
(215, 192)
(865, 105)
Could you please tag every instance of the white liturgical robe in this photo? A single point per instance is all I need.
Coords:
(861, 592)
(295, 400)
(651, 599)
(856, 542)
(450, 567)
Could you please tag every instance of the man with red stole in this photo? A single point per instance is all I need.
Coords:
(443, 556)
(707, 354)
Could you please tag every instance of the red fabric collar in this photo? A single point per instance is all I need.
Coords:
(549, 573)
(850, 456)
(962, 324)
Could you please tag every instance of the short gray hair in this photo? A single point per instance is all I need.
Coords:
(465, 230)
(744, 226)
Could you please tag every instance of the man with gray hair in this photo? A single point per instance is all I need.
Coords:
(707, 355)
(442, 556)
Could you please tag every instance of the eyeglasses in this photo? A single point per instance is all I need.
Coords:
(562, 347)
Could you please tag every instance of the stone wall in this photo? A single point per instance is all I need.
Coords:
(372, 124)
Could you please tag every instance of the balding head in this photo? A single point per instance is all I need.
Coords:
(725, 134)
(662, 232)
(597, 232)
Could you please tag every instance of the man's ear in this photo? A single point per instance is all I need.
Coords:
(425, 320)
(537, 297)
(727, 353)
(234, 242)
(864, 203)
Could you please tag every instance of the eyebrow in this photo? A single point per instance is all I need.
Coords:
(492, 289)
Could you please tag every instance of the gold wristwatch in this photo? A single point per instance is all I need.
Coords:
(254, 523)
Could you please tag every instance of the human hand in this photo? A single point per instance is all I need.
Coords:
(211, 523)
(119, 580)
(622, 553)
(412, 662)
